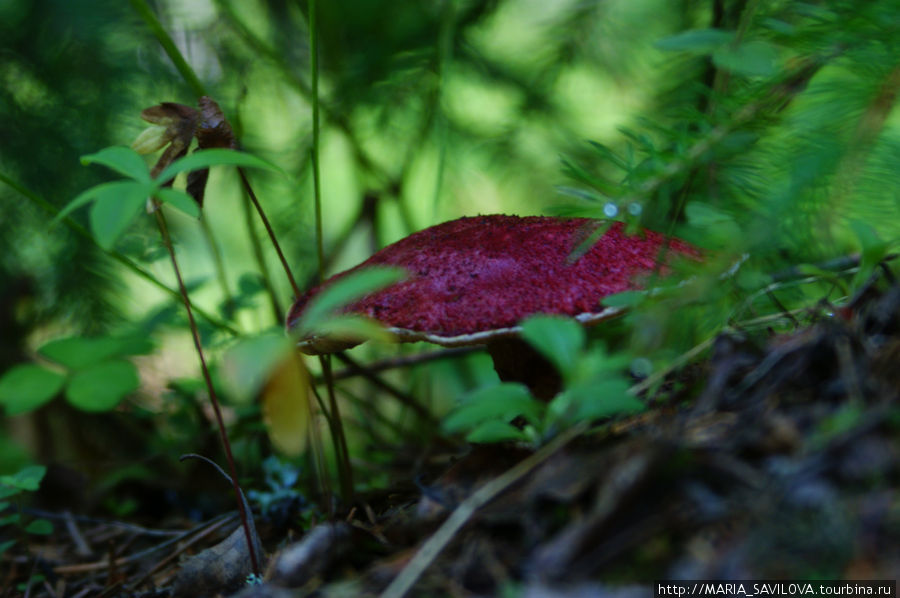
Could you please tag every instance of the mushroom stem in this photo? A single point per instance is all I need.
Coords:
(517, 361)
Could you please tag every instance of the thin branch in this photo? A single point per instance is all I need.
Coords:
(184, 539)
(162, 36)
(405, 361)
(461, 515)
(270, 231)
(256, 246)
(401, 396)
(190, 77)
(314, 150)
(789, 86)
(167, 241)
(342, 453)
(317, 446)
(345, 472)
(335, 118)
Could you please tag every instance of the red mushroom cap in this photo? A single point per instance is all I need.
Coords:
(474, 279)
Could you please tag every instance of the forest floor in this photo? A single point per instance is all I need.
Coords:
(774, 458)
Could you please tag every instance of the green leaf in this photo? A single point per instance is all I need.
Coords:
(750, 279)
(33, 582)
(590, 240)
(575, 171)
(625, 299)
(606, 399)
(248, 363)
(559, 339)
(582, 194)
(134, 343)
(28, 478)
(778, 26)
(178, 199)
(40, 526)
(112, 213)
(77, 352)
(717, 227)
(608, 154)
(353, 327)
(495, 431)
(823, 274)
(700, 41)
(595, 365)
(102, 386)
(704, 215)
(813, 270)
(873, 251)
(10, 519)
(214, 157)
(753, 59)
(27, 387)
(738, 141)
(347, 290)
(151, 139)
(4, 546)
(113, 189)
(873, 247)
(123, 160)
(587, 402)
(502, 402)
(837, 424)
(809, 9)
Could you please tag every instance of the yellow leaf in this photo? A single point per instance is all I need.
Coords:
(285, 405)
(151, 139)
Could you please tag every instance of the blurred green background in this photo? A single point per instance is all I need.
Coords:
(779, 134)
(435, 110)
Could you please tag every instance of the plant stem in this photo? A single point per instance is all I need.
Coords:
(369, 417)
(342, 453)
(372, 377)
(187, 73)
(317, 449)
(332, 415)
(167, 241)
(261, 262)
(314, 151)
(345, 473)
(338, 120)
(404, 361)
(219, 264)
(190, 77)
(270, 231)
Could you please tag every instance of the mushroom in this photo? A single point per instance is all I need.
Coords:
(472, 281)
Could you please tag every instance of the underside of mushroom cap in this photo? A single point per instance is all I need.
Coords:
(475, 279)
